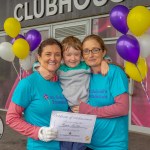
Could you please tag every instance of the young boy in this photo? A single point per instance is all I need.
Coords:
(74, 74)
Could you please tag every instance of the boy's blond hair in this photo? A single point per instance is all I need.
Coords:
(71, 41)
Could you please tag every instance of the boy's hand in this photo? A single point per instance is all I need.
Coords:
(104, 67)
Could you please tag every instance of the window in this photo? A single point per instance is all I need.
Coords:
(7, 75)
(103, 28)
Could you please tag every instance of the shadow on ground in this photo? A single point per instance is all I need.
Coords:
(11, 140)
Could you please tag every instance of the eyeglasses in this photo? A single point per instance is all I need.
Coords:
(94, 51)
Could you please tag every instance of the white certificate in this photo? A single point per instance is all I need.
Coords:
(73, 127)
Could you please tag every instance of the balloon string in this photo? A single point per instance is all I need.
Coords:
(146, 77)
(146, 83)
(145, 73)
(148, 98)
(16, 70)
(143, 86)
(20, 72)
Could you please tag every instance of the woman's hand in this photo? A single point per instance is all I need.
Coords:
(47, 134)
(75, 109)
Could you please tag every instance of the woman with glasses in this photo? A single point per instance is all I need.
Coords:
(108, 99)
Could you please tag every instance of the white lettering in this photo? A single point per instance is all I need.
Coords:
(27, 16)
(51, 9)
(18, 6)
(117, 1)
(99, 3)
(64, 2)
(83, 6)
(36, 14)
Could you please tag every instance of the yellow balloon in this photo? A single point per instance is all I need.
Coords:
(138, 20)
(137, 72)
(21, 48)
(12, 27)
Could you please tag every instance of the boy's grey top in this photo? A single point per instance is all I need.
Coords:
(75, 82)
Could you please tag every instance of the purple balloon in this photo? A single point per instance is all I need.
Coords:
(34, 38)
(19, 36)
(128, 48)
(118, 18)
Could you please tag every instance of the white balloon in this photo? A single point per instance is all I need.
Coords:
(144, 41)
(28, 62)
(6, 51)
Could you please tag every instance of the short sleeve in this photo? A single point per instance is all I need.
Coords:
(22, 93)
(119, 84)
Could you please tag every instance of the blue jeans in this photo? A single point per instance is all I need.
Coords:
(72, 146)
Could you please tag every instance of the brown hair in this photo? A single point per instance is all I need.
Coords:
(71, 41)
(96, 38)
(49, 41)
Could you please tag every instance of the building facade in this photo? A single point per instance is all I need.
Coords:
(59, 19)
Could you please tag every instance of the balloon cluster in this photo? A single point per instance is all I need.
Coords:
(20, 46)
(134, 45)
(131, 47)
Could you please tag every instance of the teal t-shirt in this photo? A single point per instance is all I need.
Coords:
(39, 97)
(81, 66)
(109, 133)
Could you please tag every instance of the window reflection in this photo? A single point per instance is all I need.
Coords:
(112, 52)
(103, 28)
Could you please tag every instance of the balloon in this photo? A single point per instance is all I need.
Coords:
(137, 72)
(128, 48)
(12, 27)
(19, 36)
(6, 51)
(34, 38)
(28, 62)
(21, 48)
(144, 42)
(138, 20)
(118, 18)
